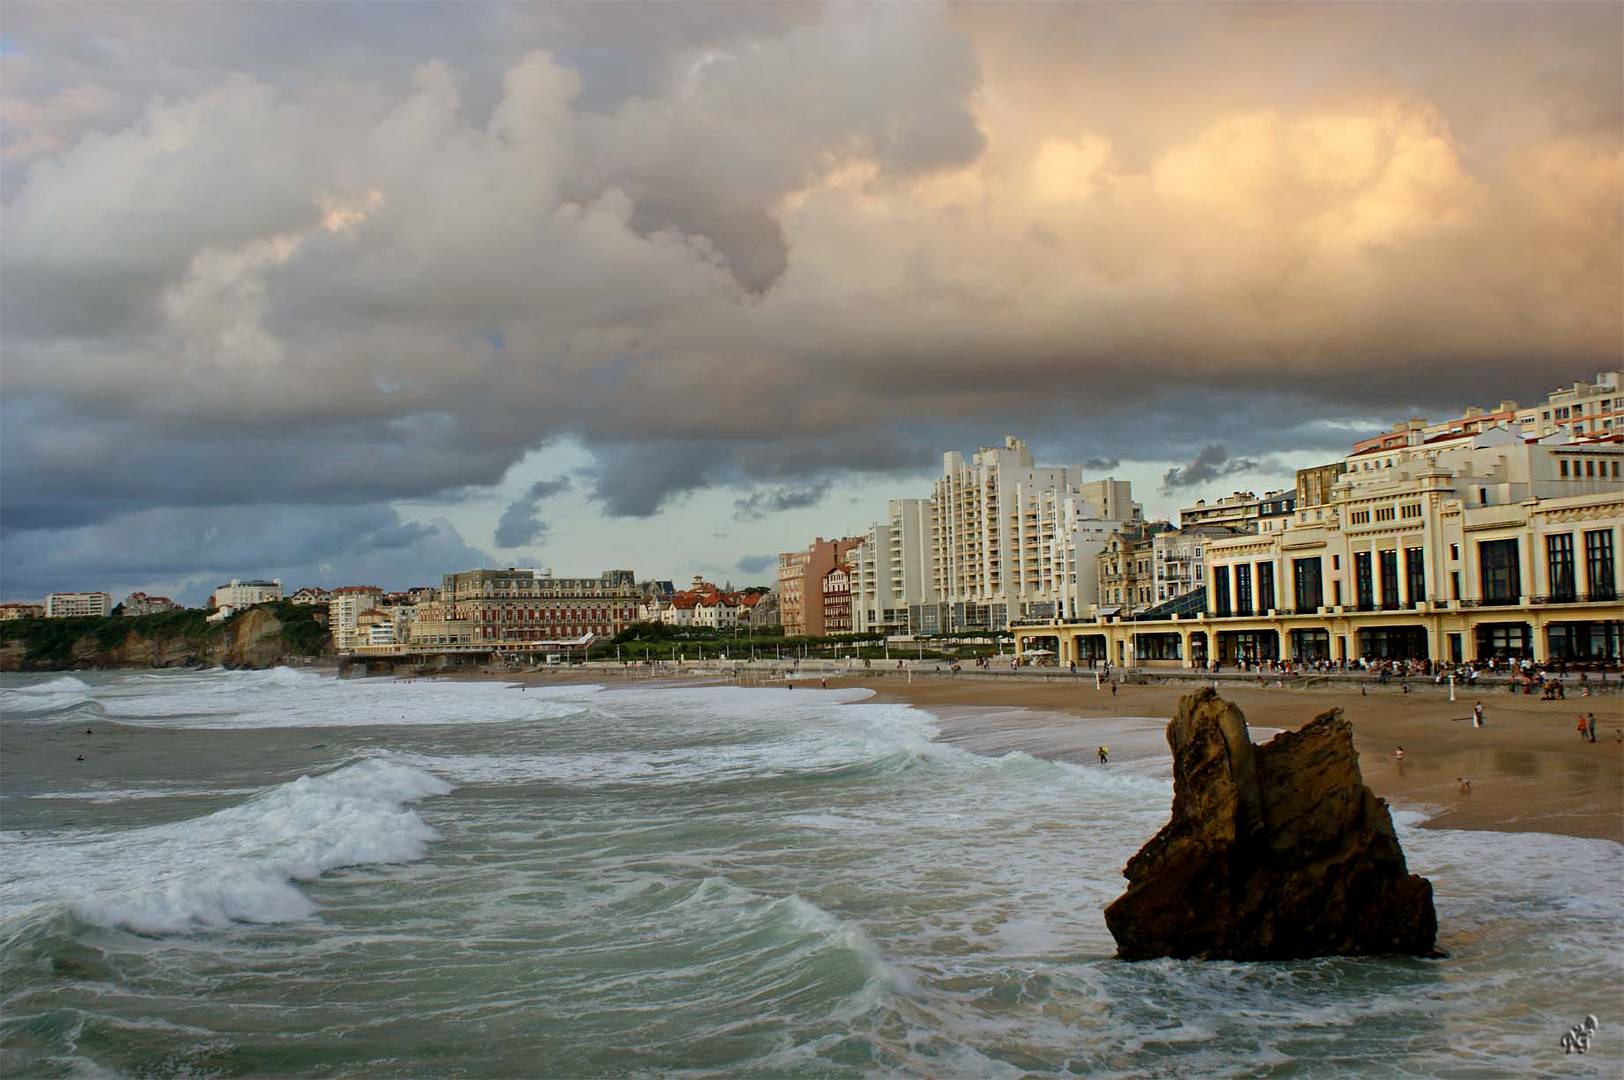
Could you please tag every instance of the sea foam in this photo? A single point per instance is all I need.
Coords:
(235, 865)
(53, 695)
(287, 698)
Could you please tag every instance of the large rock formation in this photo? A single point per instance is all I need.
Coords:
(1274, 852)
(255, 638)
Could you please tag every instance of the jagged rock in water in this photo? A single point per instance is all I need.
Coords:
(1274, 852)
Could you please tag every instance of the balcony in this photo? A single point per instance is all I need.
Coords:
(1606, 596)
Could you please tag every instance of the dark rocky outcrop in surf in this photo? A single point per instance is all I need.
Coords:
(1274, 852)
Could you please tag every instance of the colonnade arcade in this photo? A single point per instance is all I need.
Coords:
(1574, 633)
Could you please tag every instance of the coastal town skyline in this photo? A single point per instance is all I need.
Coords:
(1177, 499)
(556, 285)
(774, 519)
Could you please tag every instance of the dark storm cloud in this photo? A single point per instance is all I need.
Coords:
(338, 254)
(1212, 463)
(764, 501)
(638, 479)
(61, 469)
(756, 564)
(519, 524)
(1175, 425)
(186, 552)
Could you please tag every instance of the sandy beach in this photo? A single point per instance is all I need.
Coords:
(1529, 769)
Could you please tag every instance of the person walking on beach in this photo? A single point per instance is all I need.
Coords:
(1113, 688)
(1590, 724)
(1477, 715)
(1465, 785)
(1105, 753)
(1398, 756)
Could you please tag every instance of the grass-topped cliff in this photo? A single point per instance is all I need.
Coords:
(260, 636)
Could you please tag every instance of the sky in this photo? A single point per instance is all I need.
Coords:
(367, 293)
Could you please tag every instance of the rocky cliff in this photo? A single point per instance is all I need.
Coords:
(258, 637)
(1273, 852)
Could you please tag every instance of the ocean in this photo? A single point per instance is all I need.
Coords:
(281, 873)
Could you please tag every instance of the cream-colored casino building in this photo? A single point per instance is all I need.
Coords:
(1456, 547)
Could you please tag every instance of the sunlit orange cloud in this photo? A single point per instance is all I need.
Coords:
(1353, 224)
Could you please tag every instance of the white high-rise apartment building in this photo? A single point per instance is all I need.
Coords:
(1006, 535)
(1000, 538)
(345, 605)
(70, 605)
(891, 568)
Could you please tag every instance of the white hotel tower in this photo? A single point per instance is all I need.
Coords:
(999, 539)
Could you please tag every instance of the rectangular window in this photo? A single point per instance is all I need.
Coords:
(1454, 585)
(1559, 566)
(1243, 590)
(1562, 413)
(1599, 565)
(1265, 586)
(1220, 591)
(1359, 517)
(1454, 552)
(1500, 576)
(1505, 640)
(1562, 468)
(1416, 571)
(1310, 588)
(1384, 513)
(1310, 645)
(1389, 565)
(1364, 582)
(1590, 468)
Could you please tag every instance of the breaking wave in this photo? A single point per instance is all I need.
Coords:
(236, 865)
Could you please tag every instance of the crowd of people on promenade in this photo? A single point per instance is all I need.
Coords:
(1437, 670)
(1519, 671)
